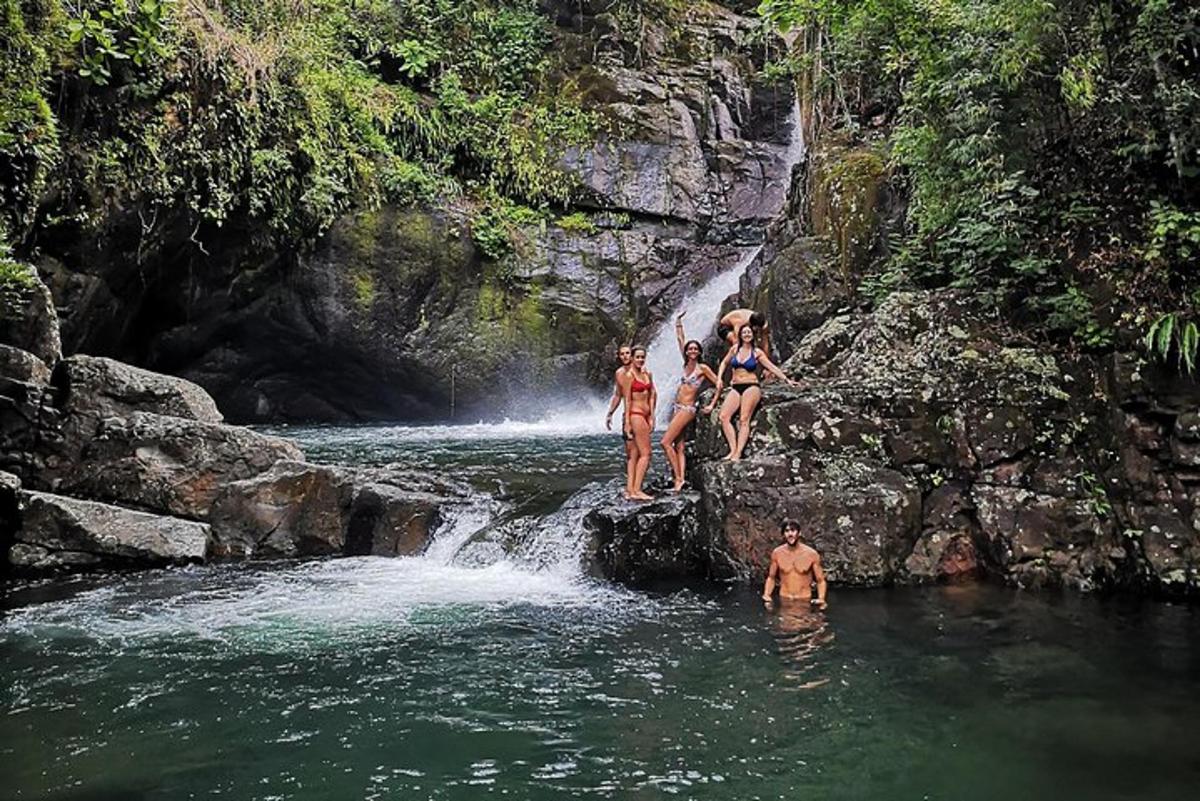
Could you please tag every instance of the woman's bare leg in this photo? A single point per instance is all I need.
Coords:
(673, 437)
(681, 460)
(641, 436)
(750, 400)
(630, 463)
(729, 407)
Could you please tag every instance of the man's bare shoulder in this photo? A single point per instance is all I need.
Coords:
(809, 551)
(780, 550)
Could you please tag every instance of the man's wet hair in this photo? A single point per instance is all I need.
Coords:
(758, 319)
(789, 523)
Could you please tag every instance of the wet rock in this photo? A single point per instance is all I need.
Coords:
(168, 464)
(299, 509)
(946, 548)
(861, 516)
(28, 319)
(57, 532)
(636, 543)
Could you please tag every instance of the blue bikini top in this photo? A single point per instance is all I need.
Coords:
(751, 363)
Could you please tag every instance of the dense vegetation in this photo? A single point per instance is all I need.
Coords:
(1049, 151)
(281, 113)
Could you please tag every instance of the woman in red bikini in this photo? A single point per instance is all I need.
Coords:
(744, 392)
(640, 398)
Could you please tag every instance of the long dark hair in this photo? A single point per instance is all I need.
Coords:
(687, 345)
(753, 339)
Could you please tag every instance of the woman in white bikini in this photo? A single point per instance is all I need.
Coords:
(683, 411)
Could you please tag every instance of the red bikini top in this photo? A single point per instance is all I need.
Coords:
(638, 386)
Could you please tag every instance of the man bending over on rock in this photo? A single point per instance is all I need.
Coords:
(795, 566)
(733, 321)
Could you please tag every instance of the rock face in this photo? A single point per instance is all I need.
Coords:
(28, 318)
(921, 447)
(58, 532)
(298, 509)
(397, 315)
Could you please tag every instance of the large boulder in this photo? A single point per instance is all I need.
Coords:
(105, 387)
(637, 543)
(28, 319)
(66, 533)
(861, 516)
(168, 464)
(299, 509)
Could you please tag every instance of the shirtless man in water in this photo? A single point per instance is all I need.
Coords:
(795, 566)
(621, 377)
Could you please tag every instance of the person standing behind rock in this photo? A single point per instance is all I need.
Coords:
(795, 566)
(620, 379)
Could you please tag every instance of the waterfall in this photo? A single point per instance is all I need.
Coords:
(701, 311)
(702, 308)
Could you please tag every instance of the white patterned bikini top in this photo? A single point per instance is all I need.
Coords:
(695, 379)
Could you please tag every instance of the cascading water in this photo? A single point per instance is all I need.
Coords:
(701, 309)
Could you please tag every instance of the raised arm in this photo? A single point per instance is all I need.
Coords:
(819, 574)
(770, 367)
(708, 374)
(679, 336)
(772, 573)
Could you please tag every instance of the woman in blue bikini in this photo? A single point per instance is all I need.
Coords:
(683, 411)
(744, 392)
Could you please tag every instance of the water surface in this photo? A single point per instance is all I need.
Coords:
(494, 667)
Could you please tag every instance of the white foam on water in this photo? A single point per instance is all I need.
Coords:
(285, 605)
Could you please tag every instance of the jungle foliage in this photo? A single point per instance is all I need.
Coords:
(282, 114)
(1049, 150)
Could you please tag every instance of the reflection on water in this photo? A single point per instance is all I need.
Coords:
(800, 633)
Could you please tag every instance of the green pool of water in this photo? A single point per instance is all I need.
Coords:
(427, 678)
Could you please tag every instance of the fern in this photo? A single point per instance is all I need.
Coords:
(1169, 333)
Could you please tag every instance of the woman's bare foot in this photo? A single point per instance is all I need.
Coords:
(641, 496)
